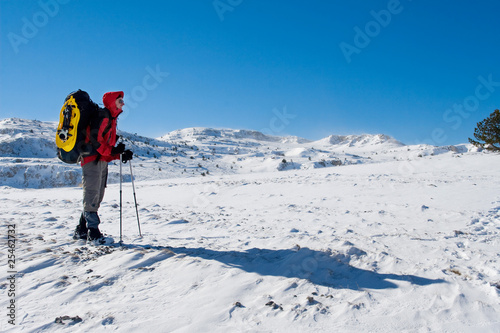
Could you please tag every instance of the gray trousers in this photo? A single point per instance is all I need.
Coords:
(94, 179)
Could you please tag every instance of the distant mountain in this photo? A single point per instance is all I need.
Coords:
(27, 138)
(28, 153)
(204, 134)
(361, 140)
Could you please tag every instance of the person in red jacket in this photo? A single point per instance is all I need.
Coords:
(102, 136)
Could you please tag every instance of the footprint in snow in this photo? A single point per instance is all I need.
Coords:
(178, 222)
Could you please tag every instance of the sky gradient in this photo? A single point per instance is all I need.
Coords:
(421, 71)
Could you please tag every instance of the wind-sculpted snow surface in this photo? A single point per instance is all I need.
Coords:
(27, 154)
(356, 248)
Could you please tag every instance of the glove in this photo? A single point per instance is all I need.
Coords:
(127, 155)
(118, 149)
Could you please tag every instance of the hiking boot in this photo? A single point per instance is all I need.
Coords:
(81, 230)
(80, 233)
(95, 235)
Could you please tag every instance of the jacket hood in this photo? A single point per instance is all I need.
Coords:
(109, 100)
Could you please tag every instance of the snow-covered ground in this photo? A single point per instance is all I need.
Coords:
(396, 239)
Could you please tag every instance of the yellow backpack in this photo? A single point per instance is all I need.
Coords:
(75, 119)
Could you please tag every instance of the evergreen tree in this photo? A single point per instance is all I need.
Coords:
(488, 131)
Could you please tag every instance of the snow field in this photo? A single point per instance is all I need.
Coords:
(353, 248)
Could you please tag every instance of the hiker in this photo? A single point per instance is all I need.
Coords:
(103, 139)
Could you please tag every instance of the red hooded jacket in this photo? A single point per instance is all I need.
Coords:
(104, 132)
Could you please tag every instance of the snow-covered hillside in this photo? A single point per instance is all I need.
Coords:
(28, 153)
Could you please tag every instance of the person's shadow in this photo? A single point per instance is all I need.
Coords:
(321, 268)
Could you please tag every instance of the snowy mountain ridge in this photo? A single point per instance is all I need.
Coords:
(204, 133)
(362, 140)
(28, 153)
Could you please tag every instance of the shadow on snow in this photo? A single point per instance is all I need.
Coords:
(320, 268)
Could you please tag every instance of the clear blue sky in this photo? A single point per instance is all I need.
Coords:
(420, 70)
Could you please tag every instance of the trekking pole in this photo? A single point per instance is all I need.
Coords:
(135, 199)
(121, 200)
